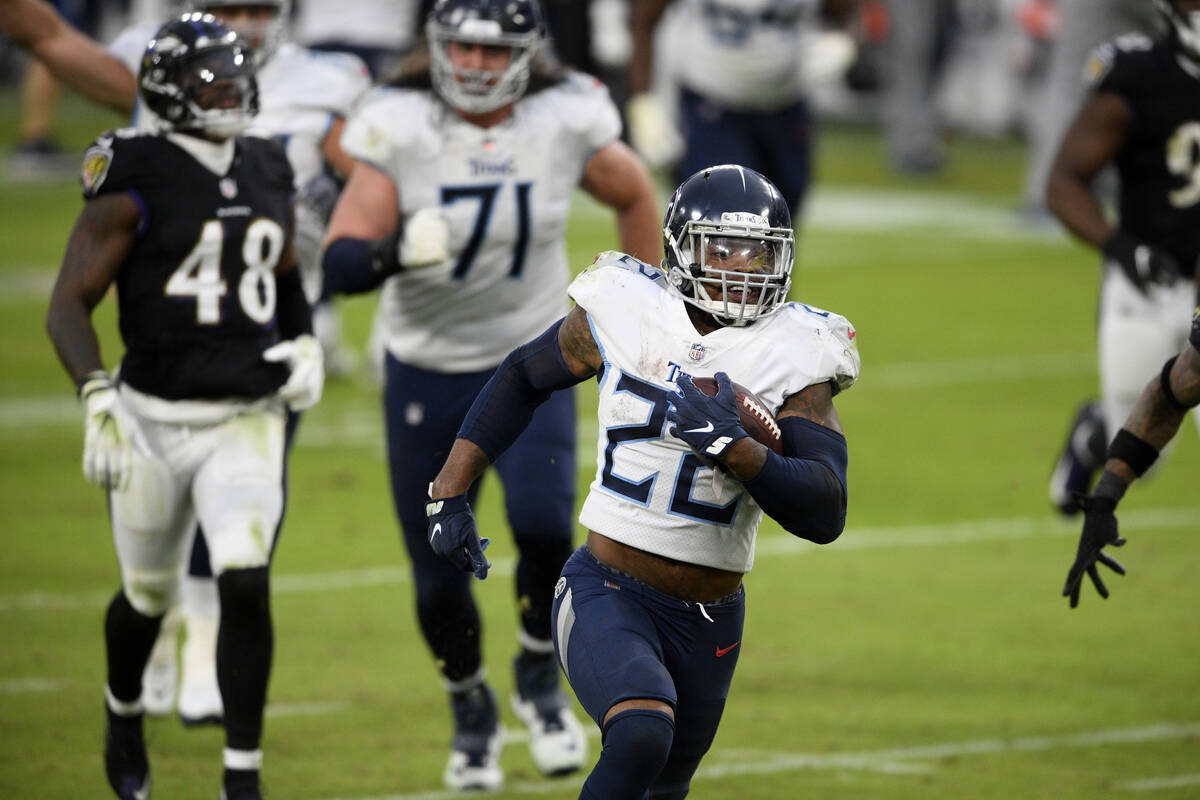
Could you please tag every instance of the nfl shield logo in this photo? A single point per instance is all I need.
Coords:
(228, 188)
(697, 352)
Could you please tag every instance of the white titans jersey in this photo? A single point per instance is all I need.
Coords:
(299, 93)
(506, 194)
(651, 491)
(742, 54)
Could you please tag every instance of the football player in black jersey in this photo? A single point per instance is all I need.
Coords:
(1142, 115)
(1153, 422)
(193, 225)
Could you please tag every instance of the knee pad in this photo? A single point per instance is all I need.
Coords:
(639, 740)
(150, 593)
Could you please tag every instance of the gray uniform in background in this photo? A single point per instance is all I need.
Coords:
(915, 50)
(1085, 24)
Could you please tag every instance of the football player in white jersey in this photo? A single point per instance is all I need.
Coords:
(458, 207)
(304, 98)
(742, 69)
(648, 615)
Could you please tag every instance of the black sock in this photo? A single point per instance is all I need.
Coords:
(244, 646)
(128, 639)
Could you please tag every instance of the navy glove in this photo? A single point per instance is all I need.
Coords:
(1099, 530)
(708, 424)
(1142, 263)
(453, 536)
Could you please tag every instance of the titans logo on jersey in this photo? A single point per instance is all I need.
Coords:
(197, 290)
(644, 473)
(1162, 90)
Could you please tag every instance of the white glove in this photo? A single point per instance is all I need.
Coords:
(306, 361)
(108, 434)
(652, 132)
(426, 239)
(825, 56)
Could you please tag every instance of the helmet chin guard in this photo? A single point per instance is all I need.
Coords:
(729, 244)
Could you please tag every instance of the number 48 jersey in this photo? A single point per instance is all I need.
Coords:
(651, 491)
(196, 292)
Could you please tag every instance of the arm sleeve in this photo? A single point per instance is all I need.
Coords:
(804, 490)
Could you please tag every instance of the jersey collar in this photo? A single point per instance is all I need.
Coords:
(217, 157)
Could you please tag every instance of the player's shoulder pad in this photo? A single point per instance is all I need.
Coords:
(583, 105)
(331, 81)
(1116, 58)
(386, 120)
(613, 273)
(114, 160)
(830, 339)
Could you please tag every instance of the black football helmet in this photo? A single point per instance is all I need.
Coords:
(1184, 27)
(266, 36)
(197, 76)
(515, 24)
(729, 244)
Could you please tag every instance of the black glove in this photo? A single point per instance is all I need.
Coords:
(1099, 530)
(1144, 264)
(453, 535)
(707, 424)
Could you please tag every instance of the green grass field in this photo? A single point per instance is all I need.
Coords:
(926, 654)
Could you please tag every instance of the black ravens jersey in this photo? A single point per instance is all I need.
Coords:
(197, 291)
(1159, 163)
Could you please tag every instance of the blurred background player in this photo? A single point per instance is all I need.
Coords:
(1142, 115)
(379, 32)
(192, 223)
(649, 613)
(458, 206)
(303, 100)
(740, 69)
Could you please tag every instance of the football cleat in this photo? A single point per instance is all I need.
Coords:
(242, 791)
(475, 750)
(125, 760)
(556, 740)
(1078, 462)
(160, 681)
(199, 695)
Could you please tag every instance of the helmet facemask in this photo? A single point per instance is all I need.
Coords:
(264, 35)
(738, 269)
(478, 91)
(211, 92)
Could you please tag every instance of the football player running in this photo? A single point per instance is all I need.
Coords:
(192, 222)
(1153, 422)
(304, 98)
(648, 614)
(1142, 115)
(458, 207)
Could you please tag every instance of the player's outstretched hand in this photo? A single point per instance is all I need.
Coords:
(652, 131)
(453, 535)
(108, 434)
(304, 358)
(1099, 530)
(707, 424)
(426, 240)
(1142, 263)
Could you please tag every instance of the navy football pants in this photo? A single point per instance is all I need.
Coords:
(619, 639)
(423, 411)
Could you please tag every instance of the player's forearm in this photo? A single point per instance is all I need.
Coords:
(463, 467)
(1070, 198)
(637, 227)
(69, 326)
(644, 16)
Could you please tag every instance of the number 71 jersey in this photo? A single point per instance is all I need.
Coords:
(196, 292)
(651, 491)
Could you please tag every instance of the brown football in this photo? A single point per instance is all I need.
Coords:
(756, 418)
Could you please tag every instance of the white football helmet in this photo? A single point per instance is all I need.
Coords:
(264, 36)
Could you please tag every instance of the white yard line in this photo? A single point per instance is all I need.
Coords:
(868, 538)
(1157, 784)
(891, 760)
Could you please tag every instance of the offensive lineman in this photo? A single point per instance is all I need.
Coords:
(648, 615)
(193, 225)
(459, 201)
(1143, 116)
(304, 98)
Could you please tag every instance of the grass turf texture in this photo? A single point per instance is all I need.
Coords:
(926, 654)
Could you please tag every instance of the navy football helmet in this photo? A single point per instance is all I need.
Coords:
(729, 244)
(515, 24)
(1184, 27)
(197, 76)
(264, 36)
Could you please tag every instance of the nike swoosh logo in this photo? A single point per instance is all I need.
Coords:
(708, 427)
(436, 530)
(725, 650)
